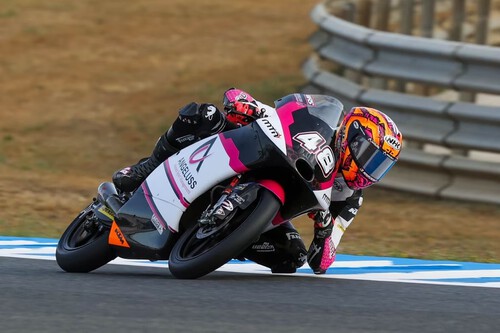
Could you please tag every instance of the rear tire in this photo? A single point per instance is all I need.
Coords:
(82, 247)
(192, 258)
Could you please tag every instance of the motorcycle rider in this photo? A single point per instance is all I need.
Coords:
(367, 144)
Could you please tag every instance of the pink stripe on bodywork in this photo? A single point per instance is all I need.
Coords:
(286, 118)
(328, 183)
(279, 192)
(275, 188)
(149, 199)
(175, 187)
(233, 153)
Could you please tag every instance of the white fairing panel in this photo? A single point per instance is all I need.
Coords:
(271, 126)
(186, 175)
(324, 197)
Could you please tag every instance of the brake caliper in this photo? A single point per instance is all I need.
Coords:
(217, 216)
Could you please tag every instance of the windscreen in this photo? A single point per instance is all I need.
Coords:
(327, 108)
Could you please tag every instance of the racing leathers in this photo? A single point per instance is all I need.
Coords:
(330, 225)
(280, 248)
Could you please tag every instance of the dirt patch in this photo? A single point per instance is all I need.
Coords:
(87, 87)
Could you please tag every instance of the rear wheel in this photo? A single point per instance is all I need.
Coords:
(194, 256)
(84, 247)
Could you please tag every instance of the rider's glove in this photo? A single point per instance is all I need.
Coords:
(240, 107)
(243, 112)
(322, 250)
(248, 108)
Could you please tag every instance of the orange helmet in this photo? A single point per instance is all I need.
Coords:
(369, 143)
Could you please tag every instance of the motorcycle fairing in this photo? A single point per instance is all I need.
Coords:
(175, 184)
(304, 128)
(150, 220)
(143, 231)
(273, 129)
(297, 113)
(283, 152)
(268, 149)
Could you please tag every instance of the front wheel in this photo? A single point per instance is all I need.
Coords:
(84, 247)
(193, 257)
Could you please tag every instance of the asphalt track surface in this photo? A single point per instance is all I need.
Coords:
(37, 296)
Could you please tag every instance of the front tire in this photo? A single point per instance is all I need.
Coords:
(192, 258)
(83, 247)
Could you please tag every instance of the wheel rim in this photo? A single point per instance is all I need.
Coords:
(195, 246)
(86, 232)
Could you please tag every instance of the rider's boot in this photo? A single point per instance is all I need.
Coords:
(195, 121)
(280, 249)
(130, 178)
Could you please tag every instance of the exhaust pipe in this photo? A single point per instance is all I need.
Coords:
(108, 196)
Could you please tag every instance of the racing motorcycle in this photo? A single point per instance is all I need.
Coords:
(210, 201)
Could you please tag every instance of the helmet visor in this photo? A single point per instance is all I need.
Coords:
(371, 160)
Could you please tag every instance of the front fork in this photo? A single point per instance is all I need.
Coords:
(271, 185)
(237, 196)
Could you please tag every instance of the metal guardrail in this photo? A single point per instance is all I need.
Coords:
(460, 127)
